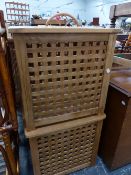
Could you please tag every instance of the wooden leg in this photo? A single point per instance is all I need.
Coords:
(9, 151)
(5, 76)
(6, 160)
(14, 138)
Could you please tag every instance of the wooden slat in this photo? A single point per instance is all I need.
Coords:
(48, 29)
(25, 96)
(35, 156)
(65, 125)
(65, 37)
(96, 142)
(59, 118)
(108, 65)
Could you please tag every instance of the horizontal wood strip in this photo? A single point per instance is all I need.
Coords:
(70, 37)
(68, 116)
(66, 96)
(84, 65)
(66, 91)
(66, 74)
(66, 125)
(41, 85)
(100, 56)
(44, 111)
(71, 49)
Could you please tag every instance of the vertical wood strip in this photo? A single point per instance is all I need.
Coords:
(107, 71)
(96, 142)
(25, 82)
(35, 156)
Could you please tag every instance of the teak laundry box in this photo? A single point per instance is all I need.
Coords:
(64, 71)
(65, 147)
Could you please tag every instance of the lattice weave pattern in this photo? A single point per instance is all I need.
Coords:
(65, 77)
(66, 149)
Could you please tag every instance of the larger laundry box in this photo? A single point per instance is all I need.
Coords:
(64, 71)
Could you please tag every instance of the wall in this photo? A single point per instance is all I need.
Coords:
(50, 7)
(74, 7)
(87, 9)
(101, 9)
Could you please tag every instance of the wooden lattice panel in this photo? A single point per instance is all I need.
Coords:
(63, 76)
(66, 150)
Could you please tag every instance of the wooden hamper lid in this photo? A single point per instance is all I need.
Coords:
(60, 29)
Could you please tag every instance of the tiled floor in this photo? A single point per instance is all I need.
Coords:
(100, 169)
(26, 167)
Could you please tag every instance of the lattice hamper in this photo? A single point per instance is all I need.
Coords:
(66, 147)
(64, 72)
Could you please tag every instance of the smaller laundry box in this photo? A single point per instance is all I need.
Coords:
(65, 147)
